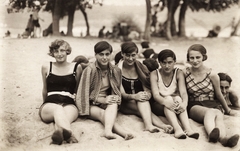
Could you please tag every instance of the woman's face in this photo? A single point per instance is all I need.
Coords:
(130, 58)
(195, 58)
(103, 57)
(167, 65)
(224, 86)
(60, 54)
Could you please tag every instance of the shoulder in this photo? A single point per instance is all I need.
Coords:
(179, 72)
(153, 73)
(45, 65)
(212, 74)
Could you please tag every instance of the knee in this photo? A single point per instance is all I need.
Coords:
(215, 112)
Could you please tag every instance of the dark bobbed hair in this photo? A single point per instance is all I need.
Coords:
(145, 44)
(129, 47)
(225, 77)
(101, 46)
(166, 53)
(56, 44)
(118, 57)
(200, 48)
(151, 64)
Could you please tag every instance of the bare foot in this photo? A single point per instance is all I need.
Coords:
(72, 140)
(152, 129)
(128, 136)
(109, 136)
(168, 129)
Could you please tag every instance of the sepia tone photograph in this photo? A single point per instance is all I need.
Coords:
(120, 75)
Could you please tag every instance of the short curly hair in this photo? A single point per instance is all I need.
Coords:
(56, 44)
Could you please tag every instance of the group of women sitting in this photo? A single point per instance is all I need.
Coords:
(99, 90)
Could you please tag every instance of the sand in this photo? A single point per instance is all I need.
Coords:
(21, 85)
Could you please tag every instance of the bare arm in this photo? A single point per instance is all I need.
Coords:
(182, 88)
(78, 76)
(155, 92)
(234, 99)
(44, 74)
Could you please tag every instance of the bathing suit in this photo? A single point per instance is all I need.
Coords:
(131, 86)
(200, 93)
(66, 83)
(167, 90)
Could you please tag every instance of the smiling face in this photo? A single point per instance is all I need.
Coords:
(224, 86)
(60, 54)
(167, 65)
(130, 58)
(103, 57)
(195, 58)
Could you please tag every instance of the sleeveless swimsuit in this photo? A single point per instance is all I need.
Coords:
(167, 90)
(200, 93)
(131, 86)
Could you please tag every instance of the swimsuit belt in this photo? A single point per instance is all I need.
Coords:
(64, 93)
(203, 98)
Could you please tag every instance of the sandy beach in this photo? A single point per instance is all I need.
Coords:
(21, 85)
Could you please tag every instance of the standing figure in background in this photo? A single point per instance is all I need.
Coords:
(229, 95)
(101, 32)
(36, 18)
(30, 25)
(60, 82)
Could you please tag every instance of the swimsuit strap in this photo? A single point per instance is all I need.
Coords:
(50, 70)
(75, 68)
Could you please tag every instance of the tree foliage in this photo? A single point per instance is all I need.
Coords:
(211, 5)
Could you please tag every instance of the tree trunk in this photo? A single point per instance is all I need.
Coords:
(71, 12)
(148, 21)
(181, 21)
(236, 26)
(56, 17)
(169, 19)
(173, 23)
(86, 20)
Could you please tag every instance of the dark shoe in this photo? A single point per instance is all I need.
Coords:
(183, 136)
(214, 135)
(194, 135)
(66, 134)
(57, 137)
(232, 141)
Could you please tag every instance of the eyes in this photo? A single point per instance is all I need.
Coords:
(128, 55)
(59, 50)
(195, 57)
(104, 54)
(167, 62)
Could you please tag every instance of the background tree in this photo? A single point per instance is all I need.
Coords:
(59, 9)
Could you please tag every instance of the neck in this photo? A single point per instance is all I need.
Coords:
(125, 65)
(103, 68)
(201, 68)
(61, 63)
(166, 73)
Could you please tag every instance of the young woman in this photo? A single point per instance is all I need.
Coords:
(169, 90)
(60, 81)
(203, 86)
(229, 95)
(98, 95)
(135, 89)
